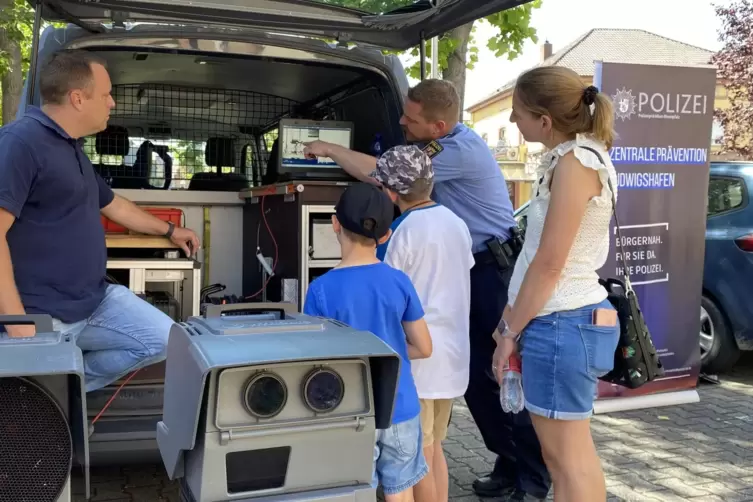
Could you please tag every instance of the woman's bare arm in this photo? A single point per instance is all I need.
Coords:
(573, 185)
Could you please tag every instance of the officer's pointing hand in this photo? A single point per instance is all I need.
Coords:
(316, 149)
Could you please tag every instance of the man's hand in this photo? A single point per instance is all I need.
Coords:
(124, 212)
(317, 149)
(21, 330)
(187, 240)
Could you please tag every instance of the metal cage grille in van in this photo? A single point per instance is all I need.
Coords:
(36, 449)
(168, 136)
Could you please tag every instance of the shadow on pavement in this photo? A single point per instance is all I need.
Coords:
(695, 452)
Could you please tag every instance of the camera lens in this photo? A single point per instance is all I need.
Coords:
(266, 395)
(323, 391)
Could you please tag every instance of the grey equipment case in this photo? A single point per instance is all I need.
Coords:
(43, 419)
(265, 404)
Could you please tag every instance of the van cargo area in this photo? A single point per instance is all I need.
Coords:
(217, 115)
(196, 120)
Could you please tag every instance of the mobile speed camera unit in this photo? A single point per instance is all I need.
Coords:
(265, 404)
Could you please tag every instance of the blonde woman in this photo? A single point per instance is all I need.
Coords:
(557, 312)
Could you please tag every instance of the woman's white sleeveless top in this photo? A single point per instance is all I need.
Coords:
(578, 285)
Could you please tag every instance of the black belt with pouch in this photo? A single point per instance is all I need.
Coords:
(502, 253)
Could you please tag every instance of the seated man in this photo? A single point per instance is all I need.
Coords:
(52, 243)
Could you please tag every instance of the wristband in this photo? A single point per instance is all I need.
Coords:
(506, 332)
(515, 337)
(170, 229)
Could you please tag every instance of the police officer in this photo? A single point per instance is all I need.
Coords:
(469, 182)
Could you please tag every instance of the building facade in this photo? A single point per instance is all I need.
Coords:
(490, 117)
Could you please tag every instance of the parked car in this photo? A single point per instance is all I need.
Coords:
(727, 301)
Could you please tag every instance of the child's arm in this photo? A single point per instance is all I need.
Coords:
(416, 330)
(419, 339)
(311, 306)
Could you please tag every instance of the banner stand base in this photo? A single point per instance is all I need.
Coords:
(648, 401)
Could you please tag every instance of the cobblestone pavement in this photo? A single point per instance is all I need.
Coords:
(697, 452)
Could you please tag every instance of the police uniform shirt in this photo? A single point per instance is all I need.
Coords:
(468, 180)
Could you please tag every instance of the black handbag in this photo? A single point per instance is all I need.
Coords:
(635, 359)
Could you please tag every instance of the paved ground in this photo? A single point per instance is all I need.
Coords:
(700, 452)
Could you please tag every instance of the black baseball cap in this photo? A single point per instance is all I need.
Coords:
(365, 210)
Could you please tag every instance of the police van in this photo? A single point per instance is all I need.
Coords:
(203, 92)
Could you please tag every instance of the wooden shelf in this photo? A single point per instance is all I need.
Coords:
(138, 241)
(289, 187)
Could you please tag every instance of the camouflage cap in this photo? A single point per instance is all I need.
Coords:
(399, 168)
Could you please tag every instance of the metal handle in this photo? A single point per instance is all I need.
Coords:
(226, 436)
(281, 307)
(42, 322)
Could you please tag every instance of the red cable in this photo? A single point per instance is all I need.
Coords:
(112, 398)
(274, 265)
(274, 241)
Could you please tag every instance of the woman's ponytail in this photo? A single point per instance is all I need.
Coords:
(558, 92)
(603, 119)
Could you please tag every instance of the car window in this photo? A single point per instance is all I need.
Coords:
(725, 194)
(187, 156)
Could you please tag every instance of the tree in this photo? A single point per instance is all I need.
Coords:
(16, 21)
(458, 50)
(734, 64)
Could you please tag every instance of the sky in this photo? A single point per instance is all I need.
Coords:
(562, 21)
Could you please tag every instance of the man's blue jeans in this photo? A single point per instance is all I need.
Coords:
(125, 333)
(510, 435)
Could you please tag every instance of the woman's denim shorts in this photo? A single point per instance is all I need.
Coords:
(563, 355)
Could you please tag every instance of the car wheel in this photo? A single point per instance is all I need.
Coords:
(719, 351)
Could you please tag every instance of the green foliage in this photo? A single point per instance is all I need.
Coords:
(513, 30)
(189, 155)
(17, 21)
(269, 139)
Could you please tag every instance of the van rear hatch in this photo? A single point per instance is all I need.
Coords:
(400, 28)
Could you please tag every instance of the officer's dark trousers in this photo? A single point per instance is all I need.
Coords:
(510, 436)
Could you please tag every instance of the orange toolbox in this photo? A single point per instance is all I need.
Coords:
(165, 214)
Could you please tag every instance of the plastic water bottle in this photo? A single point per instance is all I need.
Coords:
(376, 147)
(511, 390)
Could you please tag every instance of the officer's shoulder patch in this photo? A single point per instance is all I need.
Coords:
(433, 148)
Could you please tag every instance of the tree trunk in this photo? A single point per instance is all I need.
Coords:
(12, 81)
(457, 61)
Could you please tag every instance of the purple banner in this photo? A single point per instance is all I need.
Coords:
(663, 119)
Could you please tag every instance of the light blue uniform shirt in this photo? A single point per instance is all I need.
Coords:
(468, 181)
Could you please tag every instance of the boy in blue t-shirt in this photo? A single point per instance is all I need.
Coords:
(369, 295)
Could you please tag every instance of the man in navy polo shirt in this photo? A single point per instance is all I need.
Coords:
(468, 181)
(52, 243)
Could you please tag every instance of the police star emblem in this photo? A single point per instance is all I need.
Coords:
(624, 104)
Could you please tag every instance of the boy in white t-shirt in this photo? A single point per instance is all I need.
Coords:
(433, 247)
